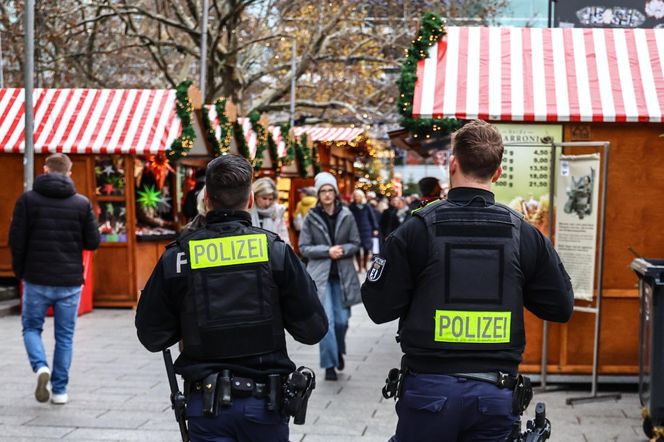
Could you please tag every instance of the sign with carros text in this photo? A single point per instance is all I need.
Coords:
(524, 183)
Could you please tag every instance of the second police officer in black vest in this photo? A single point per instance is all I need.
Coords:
(458, 275)
(228, 291)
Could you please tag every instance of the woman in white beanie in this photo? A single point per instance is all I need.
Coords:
(329, 239)
(266, 213)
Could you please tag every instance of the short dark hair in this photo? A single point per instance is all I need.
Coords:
(428, 186)
(478, 147)
(228, 182)
(58, 163)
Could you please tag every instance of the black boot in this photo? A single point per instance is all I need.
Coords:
(330, 374)
(342, 363)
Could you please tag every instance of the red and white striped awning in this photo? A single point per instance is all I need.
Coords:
(329, 134)
(91, 120)
(552, 74)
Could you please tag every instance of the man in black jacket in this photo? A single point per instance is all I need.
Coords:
(51, 226)
(457, 275)
(228, 290)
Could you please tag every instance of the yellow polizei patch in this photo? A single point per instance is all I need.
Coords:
(228, 251)
(472, 327)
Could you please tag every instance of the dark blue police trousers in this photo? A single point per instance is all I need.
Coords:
(246, 420)
(442, 408)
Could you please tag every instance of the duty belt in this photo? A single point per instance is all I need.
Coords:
(497, 378)
(240, 387)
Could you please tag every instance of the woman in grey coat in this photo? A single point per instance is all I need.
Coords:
(329, 239)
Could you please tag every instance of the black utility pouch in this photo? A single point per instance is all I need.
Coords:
(522, 395)
(209, 387)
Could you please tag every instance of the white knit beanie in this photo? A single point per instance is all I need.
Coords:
(324, 178)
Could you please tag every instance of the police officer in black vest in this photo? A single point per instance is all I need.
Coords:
(228, 291)
(457, 275)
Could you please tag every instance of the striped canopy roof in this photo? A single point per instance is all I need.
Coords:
(553, 74)
(91, 120)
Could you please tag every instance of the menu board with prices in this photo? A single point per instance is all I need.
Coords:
(524, 183)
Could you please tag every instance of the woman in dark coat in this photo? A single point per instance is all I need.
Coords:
(367, 225)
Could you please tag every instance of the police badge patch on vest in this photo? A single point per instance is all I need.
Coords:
(377, 266)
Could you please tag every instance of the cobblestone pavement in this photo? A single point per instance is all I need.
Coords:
(118, 391)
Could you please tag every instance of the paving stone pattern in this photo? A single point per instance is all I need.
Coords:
(119, 392)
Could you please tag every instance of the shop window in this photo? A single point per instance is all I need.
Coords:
(109, 175)
(112, 216)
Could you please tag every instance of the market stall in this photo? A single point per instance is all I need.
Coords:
(119, 142)
(578, 85)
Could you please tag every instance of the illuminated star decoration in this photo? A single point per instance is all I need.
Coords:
(109, 170)
(149, 197)
(108, 188)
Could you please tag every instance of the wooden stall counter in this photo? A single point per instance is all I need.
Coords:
(148, 251)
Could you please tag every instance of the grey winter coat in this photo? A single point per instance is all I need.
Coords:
(315, 244)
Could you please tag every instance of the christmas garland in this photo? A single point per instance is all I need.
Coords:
(209, 132)
(302, 155)
(274, 154)
(314, 159)
(290, 144)
(225, 125)
(219, 146)
(183, 108)
(242, 146)
(261, 138)
(431, 32)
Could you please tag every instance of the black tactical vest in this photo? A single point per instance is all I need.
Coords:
(469, 297)
(231, 308)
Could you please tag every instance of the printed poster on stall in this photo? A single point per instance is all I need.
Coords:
(524, 184)
(577, 196)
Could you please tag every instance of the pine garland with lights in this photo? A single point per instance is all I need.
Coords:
(209, 132)
(290, 144)
(225, 125)
(261, 139)
(314, 159)
(183, 108)
(274, 154)
(431, 31)
(242, 146)
(302, 155)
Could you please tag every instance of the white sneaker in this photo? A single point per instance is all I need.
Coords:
(43, 376)
(59, 399)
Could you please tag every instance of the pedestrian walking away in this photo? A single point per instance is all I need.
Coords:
(329, 240)
(229, 291)
(458, 275)
(50, 228)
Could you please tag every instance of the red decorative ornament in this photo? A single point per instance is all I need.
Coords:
(108, 188)
(159, 166)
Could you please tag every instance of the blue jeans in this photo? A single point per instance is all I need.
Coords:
(337, 313)
(445, 408)
(245, 420)
(36, 300)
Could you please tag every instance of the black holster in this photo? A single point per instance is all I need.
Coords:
(521, 395)
(391, 389)
(296, 393)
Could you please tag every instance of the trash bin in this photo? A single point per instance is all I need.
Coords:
(651, 356)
